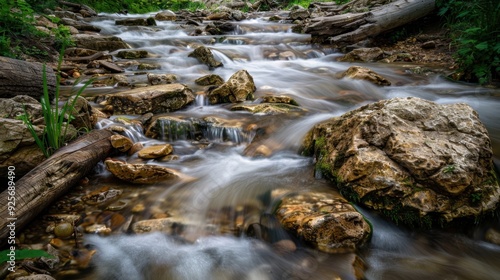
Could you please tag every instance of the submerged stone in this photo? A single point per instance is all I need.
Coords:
(416, 161)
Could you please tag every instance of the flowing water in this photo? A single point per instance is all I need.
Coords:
(224, 189)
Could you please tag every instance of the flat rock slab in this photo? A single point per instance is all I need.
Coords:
(326, 220)
(153, 99)
(140, 173)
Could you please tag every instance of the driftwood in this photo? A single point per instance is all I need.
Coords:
(18, 77)
(349, 28)
(78, 7)
(56, 175)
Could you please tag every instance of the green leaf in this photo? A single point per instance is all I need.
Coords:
(482, 46)
(24, 254)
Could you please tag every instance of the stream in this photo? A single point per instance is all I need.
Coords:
(224, 187)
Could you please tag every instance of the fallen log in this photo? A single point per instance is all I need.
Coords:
(351, 28)
(18, 77)
(49, 180)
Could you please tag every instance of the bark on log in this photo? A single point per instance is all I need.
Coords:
(351, 28)
(18, 77)
(42, 185)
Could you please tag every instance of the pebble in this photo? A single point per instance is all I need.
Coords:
(63, 230)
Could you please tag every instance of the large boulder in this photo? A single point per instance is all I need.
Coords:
(166, 16)
(239, 87)
(416, 161)
(326, 220)
(153, 99)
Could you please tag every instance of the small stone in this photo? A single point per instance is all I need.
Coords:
(98, 228)
(121, 143)
(135, 148)
(56, 242)
(139, 173)
(63, 230)
(429, 45)
(284, 246)
(362, 73)
(138, 208)
(156, 151)
(36, 277)
(493, 236)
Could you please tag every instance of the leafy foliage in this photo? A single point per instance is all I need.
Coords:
(475, 26)
(56, 119)
(16, 20)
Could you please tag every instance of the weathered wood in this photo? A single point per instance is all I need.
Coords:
(18, 77)
(56, 175)
(353, 27)
(79, 7)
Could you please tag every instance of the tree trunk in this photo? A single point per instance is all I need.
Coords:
(56, 175)
(18, 77)
(350, 28)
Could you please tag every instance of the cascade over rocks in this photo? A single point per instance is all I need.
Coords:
(416, 161)
(326, 220)
(239, 87)
(153, 99)
(204, 55)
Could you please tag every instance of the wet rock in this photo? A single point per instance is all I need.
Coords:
(150, 21)
(279, 99)
(121, 143)
(148, 66)
(102, 195)
(99, 43)
(63, 230)
(132, 54)
(362, 73)
(172, 128)
(224, 15)
(116, 80)
(267, 108)
(135, 148)
(161, 79)
(239, 87)
(84, 115)
(299, 13)
(204, 55)
(140, 173)
(326, 220)
(417, 162)
(98, 228)
(493, 236)
(155, 151)
(165, 16)
(210, 80)
(363, 54)
(166, 225)
(113, 68)
(12, 108)
(155, 99)
(18, 147)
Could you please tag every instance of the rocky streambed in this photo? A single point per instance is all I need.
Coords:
(241, 149)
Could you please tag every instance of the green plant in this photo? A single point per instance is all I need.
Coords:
(475, 29)
(56, 119)
(449, 168)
